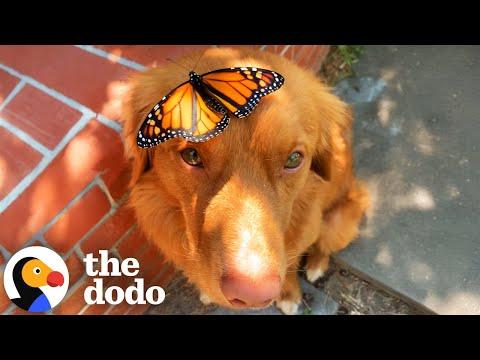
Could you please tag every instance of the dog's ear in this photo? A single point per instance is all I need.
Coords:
(333, 117)
(143, 92)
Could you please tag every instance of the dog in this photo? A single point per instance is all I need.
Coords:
(239, 225)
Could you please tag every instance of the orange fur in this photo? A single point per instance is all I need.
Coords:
(202, 219)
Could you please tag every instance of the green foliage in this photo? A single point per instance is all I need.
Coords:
(339, 63)
(350, 53)
(307, 311)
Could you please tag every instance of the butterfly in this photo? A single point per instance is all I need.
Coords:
(197, 110)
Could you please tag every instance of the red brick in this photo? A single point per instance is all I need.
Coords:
(290, 52)
(76, 268)
(277, 49)
(74, 303)
(96, 309)
(19, 311)
(118, 184)
(138, 309)
(268, 48)
(92, 151)
(117, 179)
(73, 72)
(151, 263)
(99, 309)
(4, 300)
(120, 309)
(123, 307)
(110, 231)
(17, 159)
(240, 47)
(41, 116)
(7, 83)
(322, 55)
(134, 243)
(305, 55)
(151, 55)
(315, 58)
(163, 282)
(80, 218)
(299, 50)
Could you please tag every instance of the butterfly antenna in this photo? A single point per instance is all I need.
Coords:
(174, 62)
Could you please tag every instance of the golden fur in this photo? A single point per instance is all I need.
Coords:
(197, 216)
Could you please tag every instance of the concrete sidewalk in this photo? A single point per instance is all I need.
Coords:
(416, 143)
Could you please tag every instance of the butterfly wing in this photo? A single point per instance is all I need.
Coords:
(240, 89)
(184, 113)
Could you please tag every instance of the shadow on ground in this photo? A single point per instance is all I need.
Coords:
(416, 137)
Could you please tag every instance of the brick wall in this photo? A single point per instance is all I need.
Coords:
(62, 174)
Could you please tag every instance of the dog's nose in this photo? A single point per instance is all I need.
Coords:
(245, 290)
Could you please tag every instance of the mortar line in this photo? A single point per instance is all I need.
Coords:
(10, 309)
(13, 93)
(58, 215)
(26, 138)
(82, 310)
(285, 49)
(108, 215)
(124, 236)
(6, 254)
(110, 308)
(87, 114)
(25, 79)
(42, 240)
(75, 287)
(113, 251)
(79, 252)
(101, 184)
(111, 57)
(53, 93)
(110, 123)
(94, 228)
(42, 165)
(155, 279)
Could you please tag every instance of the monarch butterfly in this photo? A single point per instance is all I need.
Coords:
(197, 109)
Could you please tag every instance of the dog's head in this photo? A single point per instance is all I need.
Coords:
(220, 210)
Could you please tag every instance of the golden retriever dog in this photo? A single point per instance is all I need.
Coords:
(237, 212)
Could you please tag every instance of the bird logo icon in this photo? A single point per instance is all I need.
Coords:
(36, 279)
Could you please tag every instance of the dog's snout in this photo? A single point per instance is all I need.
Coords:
(250, 290)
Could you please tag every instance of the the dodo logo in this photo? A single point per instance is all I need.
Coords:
(36, 279)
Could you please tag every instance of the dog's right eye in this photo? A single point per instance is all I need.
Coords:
(191, 157)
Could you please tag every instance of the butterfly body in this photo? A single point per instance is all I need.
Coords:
(197, 109)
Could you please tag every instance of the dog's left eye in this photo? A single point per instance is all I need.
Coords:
(294, 160)
(191, 157)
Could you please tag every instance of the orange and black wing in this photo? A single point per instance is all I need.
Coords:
(240, 89)
(183, 113)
